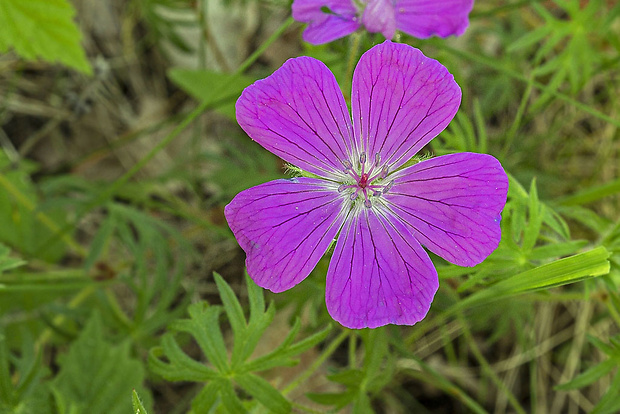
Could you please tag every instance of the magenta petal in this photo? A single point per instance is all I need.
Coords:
(379, 274)
(453, 204)
(325, 27)
(378, 17)
(424, 18)
(299, 114)
(284, 226)
(400, 101)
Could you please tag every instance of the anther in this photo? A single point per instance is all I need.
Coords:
(384, 172)
(347, 165)
(377, 159)
(362, 158)
(376, 193)
(367, 203)
(342, 188)
(353, 196)
(388, 187)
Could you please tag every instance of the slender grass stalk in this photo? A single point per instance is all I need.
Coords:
(486, 367)
(331, 348)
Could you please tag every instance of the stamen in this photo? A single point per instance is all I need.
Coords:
(347, 165)
(388, 187)
(384, 172)
(367, 203)
(342, 188)
(376, 193)
(353, 195)
(363, 158)
(377, 159)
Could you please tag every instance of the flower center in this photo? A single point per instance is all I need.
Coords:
(368, 179)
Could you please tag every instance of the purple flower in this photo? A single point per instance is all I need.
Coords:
(332, 19)
(364, 190)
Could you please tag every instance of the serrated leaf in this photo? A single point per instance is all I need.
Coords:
(95, 375)
(181, 367)
(42, 29)
(282, 354)
(265, 393)
(205, 328)
(138, 407)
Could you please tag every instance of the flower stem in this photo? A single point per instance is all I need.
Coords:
(355, 41)
(317, 363)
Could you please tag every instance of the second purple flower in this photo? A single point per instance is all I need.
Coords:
(332, 19)
(381, 210)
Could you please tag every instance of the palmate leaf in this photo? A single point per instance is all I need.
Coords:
(224, 371)
(376, 373)
(566, 48)
(42, 29)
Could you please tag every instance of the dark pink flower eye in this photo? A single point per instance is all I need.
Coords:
(332, 19)
(380, 211)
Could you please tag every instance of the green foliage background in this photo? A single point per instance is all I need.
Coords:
(121, 287)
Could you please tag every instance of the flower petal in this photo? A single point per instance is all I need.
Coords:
(453, 204)
(299, 114)
(339, 21)
(284, 227)
(423, 18)
(400, 101)
(379, 17)
(379, 274)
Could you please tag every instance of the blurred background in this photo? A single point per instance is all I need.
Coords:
(120, 149)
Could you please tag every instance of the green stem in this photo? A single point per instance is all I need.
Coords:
(486, 367)
(512, 132)
(355, 41)
(317, 363)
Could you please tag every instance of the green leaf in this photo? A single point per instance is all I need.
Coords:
(281, 355)
(42, 29)
(220, 89)
(138, 407)
(610, 402)
(204, 327)
(7, 262)
(234, 311)
(231, 402)
(181, 367)
(207, 397)
(265, 393)
(338, 400)
(536, 213)
(589, 376)
(560, 272)
(95, 376)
